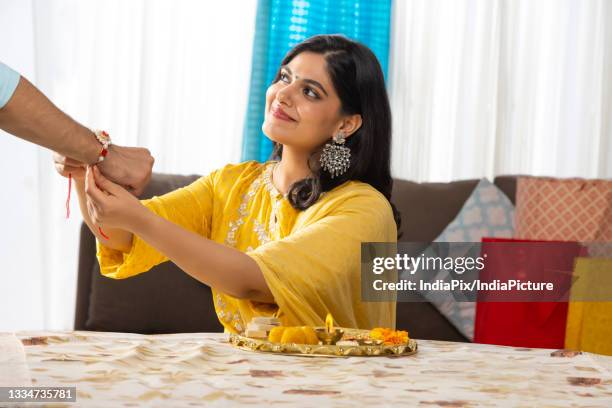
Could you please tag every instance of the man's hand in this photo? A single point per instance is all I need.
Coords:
(31, 116)
(65, 166)
(128, 166)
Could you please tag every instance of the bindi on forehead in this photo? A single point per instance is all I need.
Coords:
(295, 75)
(307, 80)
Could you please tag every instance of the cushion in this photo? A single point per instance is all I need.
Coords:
(564, 209)
(486, 213)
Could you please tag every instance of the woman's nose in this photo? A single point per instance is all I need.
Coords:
(284, 95)
(282, 99)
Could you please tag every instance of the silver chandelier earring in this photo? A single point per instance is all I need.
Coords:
(335, 157)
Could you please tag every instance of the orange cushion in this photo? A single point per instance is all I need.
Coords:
(563, 209)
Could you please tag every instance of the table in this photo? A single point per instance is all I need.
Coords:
(119, 369)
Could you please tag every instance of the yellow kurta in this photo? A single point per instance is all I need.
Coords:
(310, 259)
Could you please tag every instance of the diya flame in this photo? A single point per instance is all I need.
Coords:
(329, 323)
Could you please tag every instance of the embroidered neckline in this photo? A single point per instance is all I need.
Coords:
(263, 235)
(267, 179)
(274, 193)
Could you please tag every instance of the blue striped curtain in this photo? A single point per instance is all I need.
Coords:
(281, 24)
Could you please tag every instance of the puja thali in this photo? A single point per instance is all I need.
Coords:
(361, 345)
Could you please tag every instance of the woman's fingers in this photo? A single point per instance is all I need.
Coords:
(91, 189)
(93, 214)
(92, 204)
(104, 183)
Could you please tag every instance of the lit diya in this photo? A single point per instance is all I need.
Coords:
(327, 340)
(329, 334)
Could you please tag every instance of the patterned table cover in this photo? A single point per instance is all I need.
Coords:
(121, 370)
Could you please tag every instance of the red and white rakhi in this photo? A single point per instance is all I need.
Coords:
(105, 141)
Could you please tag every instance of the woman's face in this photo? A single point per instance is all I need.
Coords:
(302, 107)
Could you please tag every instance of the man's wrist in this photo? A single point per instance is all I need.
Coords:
(110, 155)
(89, 150)
(110, 163)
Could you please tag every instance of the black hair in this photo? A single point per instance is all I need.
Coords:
(359, 82)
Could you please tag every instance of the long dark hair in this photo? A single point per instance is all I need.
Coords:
(359, 82)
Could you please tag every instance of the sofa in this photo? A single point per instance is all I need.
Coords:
(167, 300)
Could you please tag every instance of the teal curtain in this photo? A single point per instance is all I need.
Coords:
(281, 24)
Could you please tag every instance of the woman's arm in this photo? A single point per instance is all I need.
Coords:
(224, 268)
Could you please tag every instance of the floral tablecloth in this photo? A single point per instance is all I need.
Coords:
(119, 369)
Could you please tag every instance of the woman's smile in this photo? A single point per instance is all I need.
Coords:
(278, 113)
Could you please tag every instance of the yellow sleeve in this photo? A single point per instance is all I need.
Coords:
(190, 207)
(317, 269)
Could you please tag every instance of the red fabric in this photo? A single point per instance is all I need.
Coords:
(524, 324)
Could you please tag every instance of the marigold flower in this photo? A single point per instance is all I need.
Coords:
(388, 336)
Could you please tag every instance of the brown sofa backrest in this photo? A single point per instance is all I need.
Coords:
(163, 300)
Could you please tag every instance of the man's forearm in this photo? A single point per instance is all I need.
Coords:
(31, 116)
(224, 268)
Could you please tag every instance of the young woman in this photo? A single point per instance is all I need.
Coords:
(280, 238)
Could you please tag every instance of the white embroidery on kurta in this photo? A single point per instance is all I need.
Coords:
(276, 198)
(230, 239)
(262, 235)
(260, 231)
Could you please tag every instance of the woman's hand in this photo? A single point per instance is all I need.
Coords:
(109, 204)
(65, 166)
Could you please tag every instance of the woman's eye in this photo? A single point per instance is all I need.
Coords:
(307, 91)
(312, 93)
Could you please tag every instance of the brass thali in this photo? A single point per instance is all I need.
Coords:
(363, 350)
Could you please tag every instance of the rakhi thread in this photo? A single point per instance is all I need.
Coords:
(68, 205)
(102, 232)
(68, 198)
